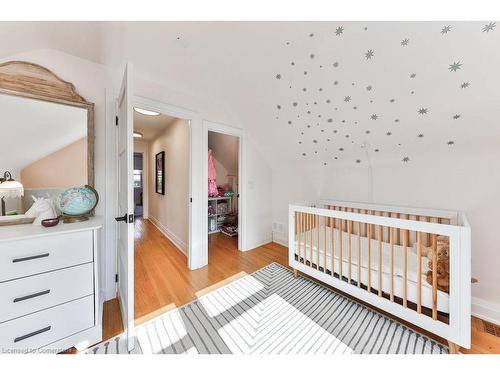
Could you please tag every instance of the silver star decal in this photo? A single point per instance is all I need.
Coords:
(456, 117)
(374, 117)
(406, 159)
(358, 161)
(368, 88)
(405, 42)
(455, 66)
(450, 143)
(339, 31)
(465, 85)
(369, 54)
(278, 76)
(423, 111)
(420, 135)
(347, 99)
(388, 133)
(311, 55)
(446, 29)
(413, 75)
(489, 27)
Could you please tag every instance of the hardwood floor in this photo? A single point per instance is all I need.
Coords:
(163, 281)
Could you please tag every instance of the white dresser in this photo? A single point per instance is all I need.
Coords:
(49, 294)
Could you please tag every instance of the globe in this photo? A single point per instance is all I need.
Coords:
(78, 201)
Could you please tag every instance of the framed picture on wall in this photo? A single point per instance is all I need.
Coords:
(160, 173)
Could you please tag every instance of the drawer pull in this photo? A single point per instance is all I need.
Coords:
(38, 294)
(17, 260)
(27, 336)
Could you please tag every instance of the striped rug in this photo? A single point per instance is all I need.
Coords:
(270, 311)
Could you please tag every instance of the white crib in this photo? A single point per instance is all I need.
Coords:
(376, 254)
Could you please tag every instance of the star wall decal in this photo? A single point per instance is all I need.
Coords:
(358, 161)
(465, 85)
(335, 64)
(278, 76)
(347, 99)
(336, 83)
(489, 27)
(405, 42)
(455, 66)
(423, 111)
(406, 159)
(374, 117)
(450, 143)
(388, 133)
(369, 88)
(369, 54)
(413, 75)
(312, 56)
(420, 135)
(456, 117)
(339, 31)
(446, 29)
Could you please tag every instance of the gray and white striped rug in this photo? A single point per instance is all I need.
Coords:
(270, 311)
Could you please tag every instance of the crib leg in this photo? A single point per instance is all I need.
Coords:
(453, 348)
(295, 273)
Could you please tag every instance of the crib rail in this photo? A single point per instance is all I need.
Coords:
(346, 245)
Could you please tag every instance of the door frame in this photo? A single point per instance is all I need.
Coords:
(196, 256)
(210, 126)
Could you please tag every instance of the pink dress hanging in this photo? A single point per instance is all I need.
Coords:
(212, 175)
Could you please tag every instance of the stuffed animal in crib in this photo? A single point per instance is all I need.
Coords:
(443, 264)
(41, 209)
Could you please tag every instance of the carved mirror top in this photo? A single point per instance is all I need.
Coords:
(32, 80)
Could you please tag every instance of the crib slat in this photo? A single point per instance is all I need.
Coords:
(332, 260)
(349, 224)
(405, 268)
(391, 235)
(341, 235)
(316, 221)
(428, 219)
(324, 245)
(434, 277)
(359, 254)
(380, 232)
(310, 240)
(419, 273)
(398, 232)
(368, 239)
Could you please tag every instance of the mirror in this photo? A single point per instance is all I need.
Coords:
(47, 136)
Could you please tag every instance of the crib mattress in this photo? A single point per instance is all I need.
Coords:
(412, 276)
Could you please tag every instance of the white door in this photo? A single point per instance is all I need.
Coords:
(125, 243)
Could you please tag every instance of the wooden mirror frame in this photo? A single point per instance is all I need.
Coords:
(33, 81)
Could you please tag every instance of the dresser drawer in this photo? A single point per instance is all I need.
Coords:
(30, 294)
(41, 254)
(34, 331)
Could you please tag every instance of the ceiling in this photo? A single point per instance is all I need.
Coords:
(32, 129)
(151, 126)
(313, 92)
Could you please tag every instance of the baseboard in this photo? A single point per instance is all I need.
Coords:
(259, 244)
(181, 245)
(280, 239)
(486, 310)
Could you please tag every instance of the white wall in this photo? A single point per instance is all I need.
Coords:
(170, 211)
(461, 181)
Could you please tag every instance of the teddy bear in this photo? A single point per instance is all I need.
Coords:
(443, 264)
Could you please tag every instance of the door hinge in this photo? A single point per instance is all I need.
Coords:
(116, 120)
(116, 278)
(190, 200)
(131, 218)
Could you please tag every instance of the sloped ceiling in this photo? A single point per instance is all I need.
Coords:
(225, 149)
(315, 92)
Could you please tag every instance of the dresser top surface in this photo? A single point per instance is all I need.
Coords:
(17, 232)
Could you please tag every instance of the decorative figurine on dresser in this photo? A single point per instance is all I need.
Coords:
(49, 268)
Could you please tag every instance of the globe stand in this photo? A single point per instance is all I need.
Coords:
(67, 219)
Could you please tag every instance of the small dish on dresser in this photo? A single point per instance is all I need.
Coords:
(47, 223)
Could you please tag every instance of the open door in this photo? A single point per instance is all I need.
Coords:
(125, 241)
